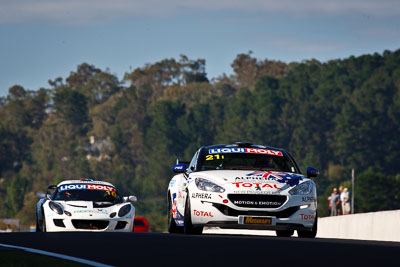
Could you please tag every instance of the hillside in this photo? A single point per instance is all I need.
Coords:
(334, 116)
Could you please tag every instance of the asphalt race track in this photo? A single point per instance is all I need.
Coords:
(162, 249)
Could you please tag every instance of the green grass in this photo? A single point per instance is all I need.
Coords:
(14, 258)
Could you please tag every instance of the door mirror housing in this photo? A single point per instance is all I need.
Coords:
(130, 199)
(312, 172)
(41, 195)
(179, 168)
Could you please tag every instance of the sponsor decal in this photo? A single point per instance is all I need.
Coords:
(257, 203)
(174, 203)
(257, 192)
(255, 185)
(308, 199)
(201, 213)
(245, 150)
(172, 183)
(255, 179)
(291, 179)
(201, 195)
(252, 220)
(98, 211)
(307, 217)
(86, 187)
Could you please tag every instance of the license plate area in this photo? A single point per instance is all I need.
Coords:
(256, 220)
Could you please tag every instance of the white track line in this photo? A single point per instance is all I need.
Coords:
(61, 256)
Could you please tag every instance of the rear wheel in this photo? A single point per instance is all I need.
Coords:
(284, 233)
(312, 233)
(172, 227)
(188, 227)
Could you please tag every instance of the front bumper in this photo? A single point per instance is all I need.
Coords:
(296, 213)
(63, 223)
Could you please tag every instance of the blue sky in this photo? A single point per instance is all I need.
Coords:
(46, 39)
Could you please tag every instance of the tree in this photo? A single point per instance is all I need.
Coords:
(375, 191)
(71, 106)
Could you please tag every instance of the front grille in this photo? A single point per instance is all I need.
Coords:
(257, 201)
(286, 213)
(90, 224)
(59, 222)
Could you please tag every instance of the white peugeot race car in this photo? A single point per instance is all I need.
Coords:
(84, 205)
(242, 186)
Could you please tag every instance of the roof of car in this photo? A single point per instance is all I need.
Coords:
(85, 181)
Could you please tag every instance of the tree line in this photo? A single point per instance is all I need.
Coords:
(334, 116)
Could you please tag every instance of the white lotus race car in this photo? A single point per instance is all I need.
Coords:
(84, 205)
(242, 186)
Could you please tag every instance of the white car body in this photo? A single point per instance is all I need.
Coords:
(252, 199)
(89, 215)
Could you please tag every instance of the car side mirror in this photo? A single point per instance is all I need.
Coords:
(312, 172)
(130, 199)
(41, 195)
(179, 168)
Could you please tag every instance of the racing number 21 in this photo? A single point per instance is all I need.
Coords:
(111, 193)
(212, 157)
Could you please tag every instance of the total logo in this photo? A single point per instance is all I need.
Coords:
(307, 217)
(201, 213)
(257, 186)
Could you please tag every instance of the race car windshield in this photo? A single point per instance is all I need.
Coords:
(86, 192)
(216, 159)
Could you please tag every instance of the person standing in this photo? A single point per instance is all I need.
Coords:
(339, 203)
(345, 199)
(335, 199)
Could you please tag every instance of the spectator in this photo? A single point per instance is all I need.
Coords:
(9, 229)
(335, 200)
(344, 197)
(339, 203)
(330, 206)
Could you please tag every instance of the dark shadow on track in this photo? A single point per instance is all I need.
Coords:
(162, 249)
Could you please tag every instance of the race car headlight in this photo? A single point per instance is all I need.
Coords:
(206, 185)
(302, 189)
(124, 210)
(57, 208)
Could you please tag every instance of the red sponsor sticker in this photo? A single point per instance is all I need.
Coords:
(201, 213)
(245, 150)
(307, 217)
(264, 151)
(259, 185)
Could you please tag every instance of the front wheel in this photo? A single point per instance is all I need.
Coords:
(37, 224)
(172, 227)
(44, 223)
(312, 233)
(188, 227)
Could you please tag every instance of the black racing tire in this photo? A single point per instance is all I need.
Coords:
(188, 227)
(284, 233)
(312, 233)
(37, 224)
(44, 223)
(171, 225)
